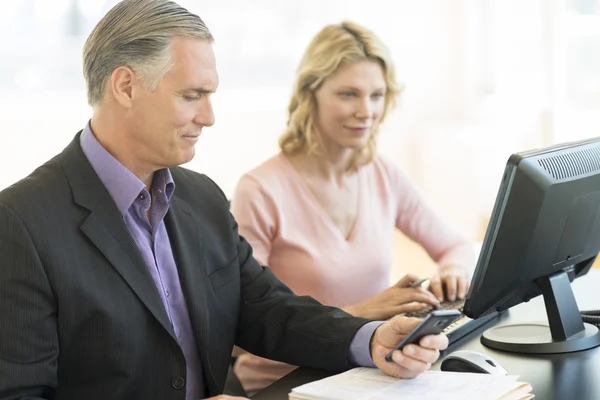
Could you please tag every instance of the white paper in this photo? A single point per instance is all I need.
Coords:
(372, 384)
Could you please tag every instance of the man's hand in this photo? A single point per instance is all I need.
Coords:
(456, 281)
(413, 359)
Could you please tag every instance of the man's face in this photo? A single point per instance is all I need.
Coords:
(165, 124)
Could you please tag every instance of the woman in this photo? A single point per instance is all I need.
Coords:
(322, 213)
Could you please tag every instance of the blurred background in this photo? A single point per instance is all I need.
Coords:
(484, 79)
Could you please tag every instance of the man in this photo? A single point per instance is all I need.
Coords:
(122, 276)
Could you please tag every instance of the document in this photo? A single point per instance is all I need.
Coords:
(372, 384)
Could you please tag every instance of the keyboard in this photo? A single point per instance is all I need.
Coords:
(445, 305)
(462, 326)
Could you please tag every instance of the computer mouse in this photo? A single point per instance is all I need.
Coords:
(471, 361)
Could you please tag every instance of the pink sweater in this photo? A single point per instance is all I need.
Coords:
(292, 234)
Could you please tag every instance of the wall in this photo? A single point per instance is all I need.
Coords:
(477, 73)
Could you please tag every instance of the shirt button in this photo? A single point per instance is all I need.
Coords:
(167, 292)
(178, 383)
(142, 197)
(159, 190)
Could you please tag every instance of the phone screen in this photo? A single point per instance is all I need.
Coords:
(433, 324)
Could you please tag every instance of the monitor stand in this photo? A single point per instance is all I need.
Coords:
(566, 332)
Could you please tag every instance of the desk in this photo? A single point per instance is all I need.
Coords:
(553, 376)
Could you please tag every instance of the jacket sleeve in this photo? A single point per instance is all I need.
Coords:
(276, 324)
(28, 322)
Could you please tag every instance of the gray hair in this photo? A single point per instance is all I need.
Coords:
(137, 34)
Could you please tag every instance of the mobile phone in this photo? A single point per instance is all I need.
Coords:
(434, 323)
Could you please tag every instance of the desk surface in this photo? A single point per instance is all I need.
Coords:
(553, 376)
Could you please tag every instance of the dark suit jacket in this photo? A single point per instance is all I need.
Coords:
(81, 319)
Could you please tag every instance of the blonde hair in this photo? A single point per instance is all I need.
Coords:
(137, 34)
(332, 47)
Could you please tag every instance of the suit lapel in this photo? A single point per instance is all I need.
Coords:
(187, 250)
(107, 230)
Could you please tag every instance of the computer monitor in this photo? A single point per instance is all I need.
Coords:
(543, 233)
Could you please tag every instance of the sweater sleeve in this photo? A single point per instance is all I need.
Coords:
(255, 213)
(420, 222)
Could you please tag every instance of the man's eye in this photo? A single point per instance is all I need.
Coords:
(347, 94)
(191, 98)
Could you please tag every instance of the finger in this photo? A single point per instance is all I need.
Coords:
(401, 366)
(393, 331)
(426, 296)
(410, 367)
(406, 280)
(400, 325)
(450, 282)
(438, 342)
(461, 287)
(436, 288)
(422, 296)
(422, 354)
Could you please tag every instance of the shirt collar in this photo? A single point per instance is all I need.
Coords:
(122, 185)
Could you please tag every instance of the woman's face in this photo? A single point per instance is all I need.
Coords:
(350, 104)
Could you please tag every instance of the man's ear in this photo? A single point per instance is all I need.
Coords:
(122, 82)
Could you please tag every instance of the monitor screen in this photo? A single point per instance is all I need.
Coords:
(544, 232)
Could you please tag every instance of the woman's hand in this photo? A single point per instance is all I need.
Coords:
(454, 279)
(398, 299)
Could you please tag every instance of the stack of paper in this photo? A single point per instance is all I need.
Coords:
(372, 384)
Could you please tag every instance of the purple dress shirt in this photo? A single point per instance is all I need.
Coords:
(133, 200)
(150, 235)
